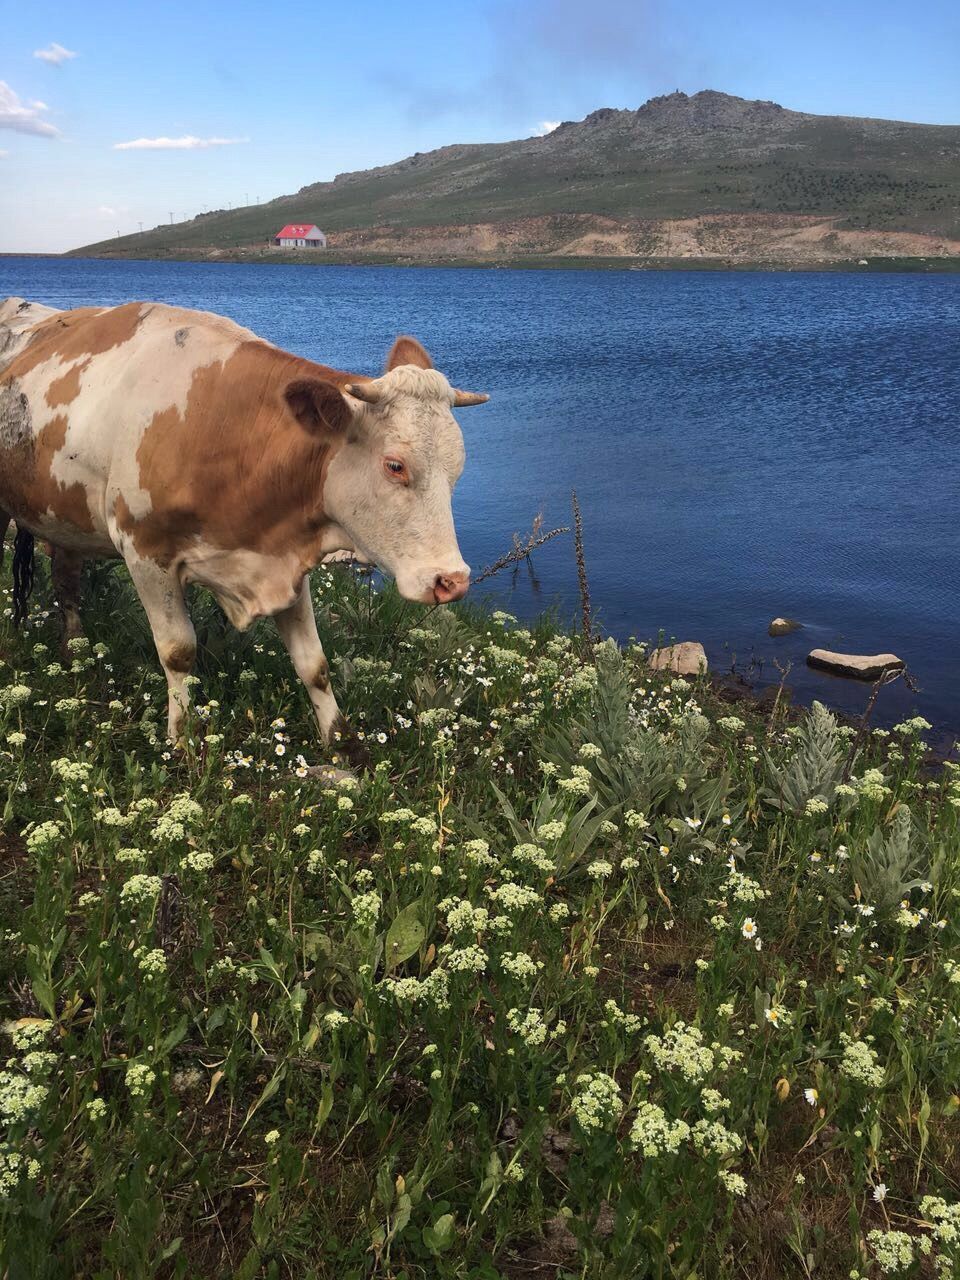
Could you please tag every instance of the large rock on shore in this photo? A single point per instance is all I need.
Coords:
(860, 666)
(783, 626)
(686, 659)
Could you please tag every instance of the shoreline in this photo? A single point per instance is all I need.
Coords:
(542, 262)
(734, 688)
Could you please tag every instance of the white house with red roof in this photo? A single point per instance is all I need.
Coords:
(300, 235)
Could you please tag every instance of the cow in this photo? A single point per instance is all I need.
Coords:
(197, 452)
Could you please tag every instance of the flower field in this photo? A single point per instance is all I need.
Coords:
(586, 977)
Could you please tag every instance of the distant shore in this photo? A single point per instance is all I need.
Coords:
(551, 262)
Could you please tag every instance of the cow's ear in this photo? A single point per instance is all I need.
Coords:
(317, 405)
(407, 350)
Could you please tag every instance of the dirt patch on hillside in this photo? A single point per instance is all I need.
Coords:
(752, 237)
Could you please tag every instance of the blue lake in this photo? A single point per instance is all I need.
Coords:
(743, 444)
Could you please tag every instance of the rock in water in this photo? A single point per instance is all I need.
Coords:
(686, 659)
(783, 626)
(860, 666)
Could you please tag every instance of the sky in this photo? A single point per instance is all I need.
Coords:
(115, 113)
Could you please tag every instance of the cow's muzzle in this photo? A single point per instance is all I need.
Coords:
(448, 587)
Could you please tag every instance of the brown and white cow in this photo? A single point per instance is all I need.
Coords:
(200, 453)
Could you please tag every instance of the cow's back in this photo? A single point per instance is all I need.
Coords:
(78, 390)
(17, 319)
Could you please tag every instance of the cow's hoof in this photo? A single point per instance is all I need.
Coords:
(67, 634)
(345, 746)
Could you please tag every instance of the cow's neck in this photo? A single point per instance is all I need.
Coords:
(273, 528)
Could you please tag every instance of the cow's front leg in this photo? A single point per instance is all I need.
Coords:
(173, 634)
(298, 631)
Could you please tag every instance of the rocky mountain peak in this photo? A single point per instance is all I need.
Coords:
(708, 105)
(680, 116)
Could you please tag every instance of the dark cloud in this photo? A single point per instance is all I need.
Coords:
(607, 36)
(545, 56)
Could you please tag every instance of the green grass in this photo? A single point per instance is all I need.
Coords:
(586, 978)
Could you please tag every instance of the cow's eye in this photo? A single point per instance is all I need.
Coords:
(395, 469)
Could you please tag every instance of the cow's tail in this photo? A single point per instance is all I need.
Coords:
(22, 573)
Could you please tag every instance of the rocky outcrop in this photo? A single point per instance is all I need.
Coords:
(783, 626)
(859, 666)
(686, 659)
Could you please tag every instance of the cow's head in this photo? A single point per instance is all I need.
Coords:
(389, 482)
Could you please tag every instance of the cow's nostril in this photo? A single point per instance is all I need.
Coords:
(448, 587)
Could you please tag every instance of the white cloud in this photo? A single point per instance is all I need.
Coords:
(4, 154)
(23, 117)
(545, 127)
(106, 211)
(186, 143)
(55, 54)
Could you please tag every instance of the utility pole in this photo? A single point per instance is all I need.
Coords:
(246, 197)
(171, 219)
(140, 225)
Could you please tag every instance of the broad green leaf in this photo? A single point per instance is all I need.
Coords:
(173, 1038)
(402, 1216)
(250, 1266)
(385, 1186)
(56, 942)
(217, 1017)
(269, 1089)
(316, 944)
(326, 1103)
(405, 936)
(43, 990)
(441, 1235)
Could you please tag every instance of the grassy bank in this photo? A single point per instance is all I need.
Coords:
(587, 978)
(541, 262)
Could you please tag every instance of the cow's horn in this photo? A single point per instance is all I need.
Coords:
(463, 399)
(367, 391)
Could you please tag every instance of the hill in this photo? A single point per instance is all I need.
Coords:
(682, 176)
